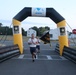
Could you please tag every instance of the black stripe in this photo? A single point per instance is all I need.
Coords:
(24, 13)
(50, 12)
(54, 15)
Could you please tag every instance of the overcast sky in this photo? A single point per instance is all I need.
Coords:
(9, 8)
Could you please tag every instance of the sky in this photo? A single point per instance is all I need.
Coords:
(66, 8)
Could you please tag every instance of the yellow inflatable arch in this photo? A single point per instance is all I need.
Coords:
(39, 12)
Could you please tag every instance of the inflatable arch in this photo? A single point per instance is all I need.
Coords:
(39, 12)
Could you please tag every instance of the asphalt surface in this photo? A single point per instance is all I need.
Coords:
(48, 62)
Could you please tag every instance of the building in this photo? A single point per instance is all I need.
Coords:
(53, 34)
(72, 36)
(31, 31)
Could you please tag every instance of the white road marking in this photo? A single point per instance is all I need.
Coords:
(49, 57)
(21, 56)
(41, 49)
(63, 58)
(38, 58)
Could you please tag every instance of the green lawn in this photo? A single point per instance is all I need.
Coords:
(10, 38)
(2, 37)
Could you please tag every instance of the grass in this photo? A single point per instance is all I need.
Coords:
(10, 38)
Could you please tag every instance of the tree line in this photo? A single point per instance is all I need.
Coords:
(5, 30)
(9, 31)
(40, 30)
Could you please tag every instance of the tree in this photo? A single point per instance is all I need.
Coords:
(36, 29)
(23, 32)
(1, 24)
(5, 30)
(40, 30)
(47, 28)
(70, 33)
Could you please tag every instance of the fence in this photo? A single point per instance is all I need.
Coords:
(68, 53)
(8, 52)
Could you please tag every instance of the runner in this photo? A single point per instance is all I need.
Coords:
(32, 43)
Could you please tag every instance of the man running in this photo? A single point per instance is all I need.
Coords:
(32, 42)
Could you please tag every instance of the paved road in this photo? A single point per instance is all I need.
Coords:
(48, 62)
